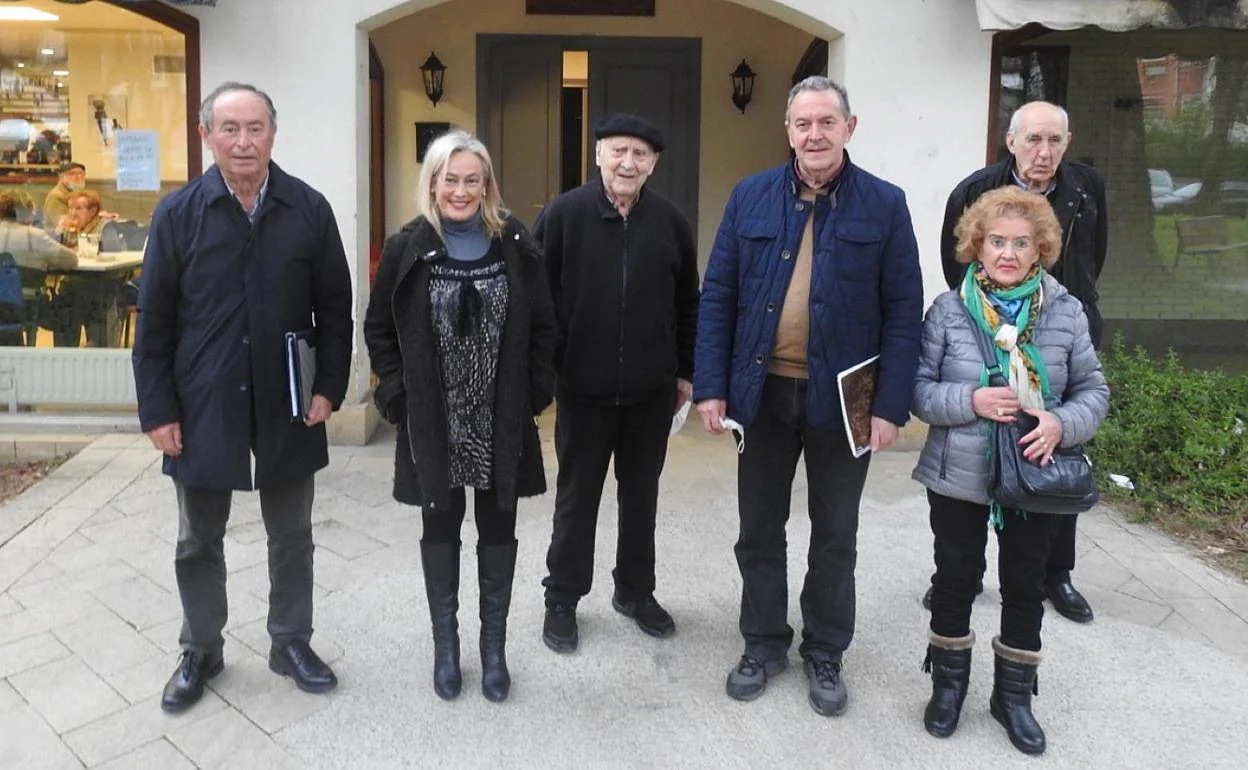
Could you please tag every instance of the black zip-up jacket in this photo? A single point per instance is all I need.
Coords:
(625, 293)
(1078, 200)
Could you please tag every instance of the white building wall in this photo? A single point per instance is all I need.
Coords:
(917, 73)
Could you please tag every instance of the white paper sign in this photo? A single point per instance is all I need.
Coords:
(138, 160)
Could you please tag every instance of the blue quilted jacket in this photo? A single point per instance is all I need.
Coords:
(866, 293)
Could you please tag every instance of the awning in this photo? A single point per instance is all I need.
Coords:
(1113, 15)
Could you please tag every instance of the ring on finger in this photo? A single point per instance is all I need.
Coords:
(1000, 412)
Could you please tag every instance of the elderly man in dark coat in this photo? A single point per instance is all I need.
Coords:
(623, 273)
(235, 260)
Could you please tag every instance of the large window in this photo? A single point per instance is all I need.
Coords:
(93, 133)
(1163, 116)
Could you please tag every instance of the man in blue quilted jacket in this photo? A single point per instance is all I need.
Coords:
(814, 269)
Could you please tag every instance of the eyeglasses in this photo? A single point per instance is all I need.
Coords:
(471, 183)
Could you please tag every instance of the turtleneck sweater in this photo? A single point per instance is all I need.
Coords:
(466, 240)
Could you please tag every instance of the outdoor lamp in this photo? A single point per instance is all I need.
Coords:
(433, 71)
(742, 85)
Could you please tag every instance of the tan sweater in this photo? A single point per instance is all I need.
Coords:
(788, 356)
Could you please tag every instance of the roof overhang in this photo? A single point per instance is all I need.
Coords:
(1112, 15)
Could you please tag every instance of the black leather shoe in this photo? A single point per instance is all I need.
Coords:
(927, 597)
(559, 628)
(827, 690)
(297, 661)
(748, 680)
(186, 686)
(649, 614)
(1069, 602)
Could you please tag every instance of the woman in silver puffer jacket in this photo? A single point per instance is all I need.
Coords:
(1009, 236)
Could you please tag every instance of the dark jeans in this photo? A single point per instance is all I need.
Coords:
(775, 440)
(200, 562)
(586, 437)
(494, 527)
(961, 533)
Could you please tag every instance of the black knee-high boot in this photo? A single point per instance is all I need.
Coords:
(496, 566)
(1012, 688)
(441, 565)
(949, 661)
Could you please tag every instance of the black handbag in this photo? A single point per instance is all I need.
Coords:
(1065, 486)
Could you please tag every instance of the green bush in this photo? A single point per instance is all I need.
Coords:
(1181, 435)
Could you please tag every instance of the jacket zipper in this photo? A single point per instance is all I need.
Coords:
(619, 392)
(944, 454)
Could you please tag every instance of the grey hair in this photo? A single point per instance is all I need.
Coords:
(1016, 120)
(210, 101)
(819, 83)
(493, 212)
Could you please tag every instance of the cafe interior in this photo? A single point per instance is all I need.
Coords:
(92, 134)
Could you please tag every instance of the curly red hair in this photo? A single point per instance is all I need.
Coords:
(1012, 203)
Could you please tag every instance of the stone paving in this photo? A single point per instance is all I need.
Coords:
(89, 620)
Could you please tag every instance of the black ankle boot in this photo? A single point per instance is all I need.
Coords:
(441, 565)
(1012, 688)
(949, 661)
(496, 566)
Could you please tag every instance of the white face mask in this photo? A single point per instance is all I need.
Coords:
(76, 186)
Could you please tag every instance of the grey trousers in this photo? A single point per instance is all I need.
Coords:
(199, 563)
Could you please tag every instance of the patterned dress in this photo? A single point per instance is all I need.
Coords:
(468, 301)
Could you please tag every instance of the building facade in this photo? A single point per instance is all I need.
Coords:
(931, 81)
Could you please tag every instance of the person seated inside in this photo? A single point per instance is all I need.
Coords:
(30, 246)
(84, 217)
(33, 252)
(86, 300)
(71, 177)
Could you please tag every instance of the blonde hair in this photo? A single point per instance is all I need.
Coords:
(493, 212)
(1009, 202)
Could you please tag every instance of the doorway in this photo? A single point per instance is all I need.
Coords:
(538, 98)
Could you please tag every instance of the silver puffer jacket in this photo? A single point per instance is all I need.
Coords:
(954, 460)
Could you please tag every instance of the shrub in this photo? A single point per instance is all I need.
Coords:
(1181, 435)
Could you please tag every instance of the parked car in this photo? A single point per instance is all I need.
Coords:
(1177, 195)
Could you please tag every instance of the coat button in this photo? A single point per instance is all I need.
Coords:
(800, 207)
(785, 254)
(758, 359)
(246, 340)
(771, 307)
(242, 388)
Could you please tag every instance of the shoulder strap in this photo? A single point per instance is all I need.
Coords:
(986, 349)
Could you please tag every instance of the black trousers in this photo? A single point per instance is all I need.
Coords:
(961, 534)
(586, 438)
(199, 563)
(775, 440)
(1061, 556)
(494, 526)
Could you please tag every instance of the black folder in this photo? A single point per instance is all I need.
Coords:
(300, 372)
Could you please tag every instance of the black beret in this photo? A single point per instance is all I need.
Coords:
(624, 124)
(69, 166)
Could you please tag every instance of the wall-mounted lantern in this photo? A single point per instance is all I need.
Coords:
(742, 85)
(433, 71)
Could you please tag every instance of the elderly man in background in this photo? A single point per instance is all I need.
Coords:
(815, 269)
(1038, 138)
(623, 273)
(71, 177)
(235, 260)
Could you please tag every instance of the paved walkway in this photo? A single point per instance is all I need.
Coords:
(89, 619)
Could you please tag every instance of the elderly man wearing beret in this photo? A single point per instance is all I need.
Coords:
(624, 276)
